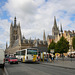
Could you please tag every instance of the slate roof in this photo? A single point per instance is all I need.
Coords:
(51, 37)
(42, 49)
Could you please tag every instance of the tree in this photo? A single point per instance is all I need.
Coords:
(51, 46)
(62, 46)
(73, 43)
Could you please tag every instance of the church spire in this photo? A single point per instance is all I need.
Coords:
(11, 23)
(15, 21)
(19, 33)
(55, 24)
(6, 45)
(55, 29)
(61, 28)
(23, 36)
(44, 37)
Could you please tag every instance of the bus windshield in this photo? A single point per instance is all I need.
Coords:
(33, 52)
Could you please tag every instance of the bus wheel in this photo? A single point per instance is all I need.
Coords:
(17, 63)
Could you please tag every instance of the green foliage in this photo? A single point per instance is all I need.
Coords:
(73, 43)
(62, 45)
(51, 46)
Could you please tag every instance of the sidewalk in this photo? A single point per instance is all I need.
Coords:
(63, 64)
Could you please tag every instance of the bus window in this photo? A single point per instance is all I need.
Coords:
(18, 53)
(23, 52)
(33, 52)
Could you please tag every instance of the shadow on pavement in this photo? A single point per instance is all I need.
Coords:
(30, 62)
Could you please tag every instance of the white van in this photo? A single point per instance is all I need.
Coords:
(2, 57)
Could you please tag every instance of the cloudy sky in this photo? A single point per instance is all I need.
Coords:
(35, 16)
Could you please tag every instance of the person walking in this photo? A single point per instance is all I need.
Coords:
(50, 58)
(57, 57)
(47, 57)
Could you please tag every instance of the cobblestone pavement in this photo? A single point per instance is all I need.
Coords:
(67, 63)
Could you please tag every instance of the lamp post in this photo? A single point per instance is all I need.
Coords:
(71, 53)
(62, 44)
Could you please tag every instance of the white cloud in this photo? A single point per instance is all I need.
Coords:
(35, 16)
(4, 32)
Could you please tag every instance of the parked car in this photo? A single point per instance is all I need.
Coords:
(13, 60)
(71, 54)
(2, 57)
(6, 58)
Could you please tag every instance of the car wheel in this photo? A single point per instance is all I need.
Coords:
(17, 62)
(10, 62)
(3, 65)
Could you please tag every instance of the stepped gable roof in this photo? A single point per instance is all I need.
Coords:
(42, 49)
(38, 40)
(32, 41)
(51, 37)
(72, 35)
(26, 41)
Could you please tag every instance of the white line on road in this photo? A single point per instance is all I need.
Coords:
(5, 72)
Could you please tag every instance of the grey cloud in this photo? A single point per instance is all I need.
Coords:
(36, 15)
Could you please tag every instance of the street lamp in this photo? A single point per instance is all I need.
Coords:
(71, 53)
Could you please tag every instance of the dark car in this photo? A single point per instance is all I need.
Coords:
(13, 60)
(6, 58)
(72, 55)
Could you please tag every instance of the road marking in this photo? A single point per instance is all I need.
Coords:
(5, 72)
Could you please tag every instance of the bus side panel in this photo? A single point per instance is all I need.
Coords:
(34, 58)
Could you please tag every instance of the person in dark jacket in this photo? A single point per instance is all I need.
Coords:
(50, 57)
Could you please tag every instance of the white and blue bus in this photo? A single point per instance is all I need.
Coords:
(29, 54)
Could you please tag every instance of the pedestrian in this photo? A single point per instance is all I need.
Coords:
(50, 58)
(57, 57)
(47, 57)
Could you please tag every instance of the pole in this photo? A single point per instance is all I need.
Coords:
(71, 53)
(40, 56)
(43, 56)
(62, 44)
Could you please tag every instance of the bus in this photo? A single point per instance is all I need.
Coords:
(29, 54)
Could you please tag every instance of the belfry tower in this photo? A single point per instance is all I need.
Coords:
(55, 29)
(15, 33)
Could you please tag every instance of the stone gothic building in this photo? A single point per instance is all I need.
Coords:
(68, 35)
(18, 42)
(55, 29)
(55, 32)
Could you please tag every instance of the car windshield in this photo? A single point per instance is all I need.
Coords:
(7, 57)
(13, 58)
